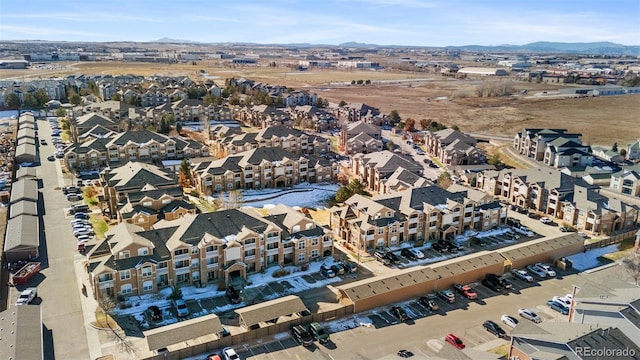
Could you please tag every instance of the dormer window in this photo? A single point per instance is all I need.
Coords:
(143, 251)
(124, 254)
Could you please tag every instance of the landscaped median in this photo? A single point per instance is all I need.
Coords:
(100, 226)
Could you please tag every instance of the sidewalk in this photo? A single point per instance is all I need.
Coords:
(89, 306)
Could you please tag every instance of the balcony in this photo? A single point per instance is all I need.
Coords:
(272, 239)
(275, 251)
(288, 250)
(212, 266)
(162, 271)
(183, 270)
(181, 257)
(249, 246)
(249, 258)
(327, 243)
(210, 254)
(370, 237)
(105, 284)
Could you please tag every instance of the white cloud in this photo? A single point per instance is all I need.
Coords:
(44, 33)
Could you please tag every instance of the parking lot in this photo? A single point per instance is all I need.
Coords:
(384, 334)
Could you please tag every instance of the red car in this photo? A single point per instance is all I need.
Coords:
(454, 340)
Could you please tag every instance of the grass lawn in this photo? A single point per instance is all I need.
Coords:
(104, 321)
(99, 226)
(501, 350)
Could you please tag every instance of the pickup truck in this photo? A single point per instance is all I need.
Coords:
(27, 295)
(466, 291)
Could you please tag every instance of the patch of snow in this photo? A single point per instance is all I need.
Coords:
(589, 259)
(281, 336)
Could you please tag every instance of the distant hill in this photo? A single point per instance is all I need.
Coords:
(598, 48)
(172, 41)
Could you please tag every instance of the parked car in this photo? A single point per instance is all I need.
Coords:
(546, 220)
(500, 280)
(382, 258)
(405, 354)
(51, 158)
(447, 295)
(529, 315)
(408, 254)
(454, 340)
(349, 266)
(74, 197)
(70, 190)
(393, 258)
(27, 295)
(181, 307)
(508, 320)
(547, 269)
(43, 142)
(400, 313)
(522, 210)
(418, 254)
(466, 291)
(233, 295)
(319, 332)
(428, 303)
(562, 300)
(476, 241)
(154, 313)
(437, 247)
(558, 307)
(533, 215)
(338, 269)
(230, 354)
(81, 216)
(491, 285)
(494, 328)
(302, 336)
(533, 269)
(522, 275)
(326, 271)
(566, 229)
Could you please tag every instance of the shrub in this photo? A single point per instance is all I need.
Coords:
(280, 273)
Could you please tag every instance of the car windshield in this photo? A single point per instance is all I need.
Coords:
(182, 306)
(24, 296)
(458, 341)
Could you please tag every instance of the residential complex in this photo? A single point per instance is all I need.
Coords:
(453, 147)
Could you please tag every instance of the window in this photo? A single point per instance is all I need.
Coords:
(301, 244)
(147, 203)
(315, 253)
(146, 271)
(147, 285)
(143, 251)
(314, 242)
(162, 265)
(301, 257)
(380, 230)
(194, 250)
(180, 252)
(123, 254)
(125, 275)
(125, 289)
(251, 252)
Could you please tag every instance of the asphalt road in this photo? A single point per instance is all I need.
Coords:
(65, 336)
(429, 173)
(424, 335)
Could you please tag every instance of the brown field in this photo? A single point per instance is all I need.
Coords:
(602, 120)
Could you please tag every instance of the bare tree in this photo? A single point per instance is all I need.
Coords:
(631, 264)
(116, 334)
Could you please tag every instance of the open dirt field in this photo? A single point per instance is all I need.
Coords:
(602, 121)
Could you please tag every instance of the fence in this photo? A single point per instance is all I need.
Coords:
(613, 239)
(193, 349)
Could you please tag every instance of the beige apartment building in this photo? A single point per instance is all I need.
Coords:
(374, 170)
(211, 248)
(412, 216)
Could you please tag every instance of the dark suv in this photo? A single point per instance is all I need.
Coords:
(301, 335)
(497, 279)
(233, 295)
(393, 258)
(400, 313)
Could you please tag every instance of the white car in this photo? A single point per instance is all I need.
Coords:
(27, 296)
(508, 320)
(530, 315)
(522, 275)
(562, 300)
(84, 238)
(419, 254)
(230, 354)
(546, 220)
(547, 269)
(537, 271)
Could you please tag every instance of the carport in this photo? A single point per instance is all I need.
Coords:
(270, 310)
(191, 329)
(21, 240)
(414, 282)
(26, 173)
(543, 250)
(24, 189)
(25, 152)
(23, 207)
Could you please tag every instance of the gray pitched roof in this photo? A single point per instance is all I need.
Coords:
(270, 310)
(221, 224)
(21, 332)
(138, 137)
(23, 207)
(135, 175)
(24, 189)
(22, 232)
(182, 331)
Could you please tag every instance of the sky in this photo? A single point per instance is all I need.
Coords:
(383, 22)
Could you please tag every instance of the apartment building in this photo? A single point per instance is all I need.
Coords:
(571, 201)
(260, 168)
(626, 181)
(375, 169)
(412, 216)
(134, 178)
(533, 142)
(88, 121)
(210, 248)
(262, 116)
(360, 137)
(563, 152)
(453, 147)
(293, 140)
(139, 145)
(150, 205)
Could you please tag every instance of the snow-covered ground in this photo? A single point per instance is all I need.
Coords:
(589, 259)
(305, 194)
(140, 303)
